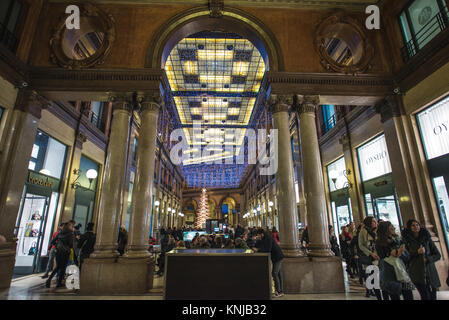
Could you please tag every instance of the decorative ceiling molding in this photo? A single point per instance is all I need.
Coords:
(320, 4)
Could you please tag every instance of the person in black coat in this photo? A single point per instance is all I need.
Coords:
(423, 255)
(266, 243)
(63, 243)
(333, 242)
(86, 243)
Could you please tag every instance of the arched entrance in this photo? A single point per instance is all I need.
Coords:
(199, 19)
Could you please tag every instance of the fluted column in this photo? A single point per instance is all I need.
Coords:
(141, 203)
(114, 175)
(288, 218)
(313, 179)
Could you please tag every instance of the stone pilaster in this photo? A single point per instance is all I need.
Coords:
(288, 221)
(404, 177)
(141, 203)
(356, 202)
(19, 138)
(313, 179)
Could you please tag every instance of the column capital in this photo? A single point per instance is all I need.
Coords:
(30, 101)
(121, 101)
(80, 139)
(150, 102)
(388, 108)
(279, 103)
(308, 104)
(344, 140)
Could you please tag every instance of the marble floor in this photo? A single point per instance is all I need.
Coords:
(33, 288)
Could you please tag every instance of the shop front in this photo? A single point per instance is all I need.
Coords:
(377, 182)
(35, 220)
(339, 194)
(434, 129)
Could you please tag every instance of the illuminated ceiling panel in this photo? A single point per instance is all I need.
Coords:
(215, 79)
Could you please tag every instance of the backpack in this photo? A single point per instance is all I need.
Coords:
(62, 248)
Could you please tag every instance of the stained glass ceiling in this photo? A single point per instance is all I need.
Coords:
(215, 79)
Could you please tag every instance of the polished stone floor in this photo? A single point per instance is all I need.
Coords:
(33, 288)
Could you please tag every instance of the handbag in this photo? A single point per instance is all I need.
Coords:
(33, 248)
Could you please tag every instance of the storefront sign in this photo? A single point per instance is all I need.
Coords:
(434, 125)
(374, 159)
(37, 179)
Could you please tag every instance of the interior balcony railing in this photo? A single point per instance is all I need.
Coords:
(431, 29)
(8, 39)
(328, 124)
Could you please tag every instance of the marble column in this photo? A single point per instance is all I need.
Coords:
(141, 203)
(288, 218)
(313, 179)
(19, 136)
(114, 175)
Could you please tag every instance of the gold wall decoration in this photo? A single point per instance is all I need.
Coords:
(343, 45)
(86, 47)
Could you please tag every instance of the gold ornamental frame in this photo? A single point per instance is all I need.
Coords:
(107, 25)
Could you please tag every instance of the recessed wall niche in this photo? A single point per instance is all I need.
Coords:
(343, 45)
(87, 46)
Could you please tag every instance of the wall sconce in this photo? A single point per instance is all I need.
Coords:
(91, 174)
(333, 175)
(270, 203)
(156, 203)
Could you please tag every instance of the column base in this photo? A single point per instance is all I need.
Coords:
(313, 275)
(117, 276)
(7, 262)
(292, 252)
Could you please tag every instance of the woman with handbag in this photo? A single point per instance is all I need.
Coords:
(367, 245)
(423, 255)
(394, 279)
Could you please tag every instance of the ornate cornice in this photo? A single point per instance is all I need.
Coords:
(80, 139)
(330, 83)
(279, 103)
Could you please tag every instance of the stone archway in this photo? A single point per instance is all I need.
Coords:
(199, 19)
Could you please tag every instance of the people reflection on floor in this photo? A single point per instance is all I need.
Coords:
(122, 240)
(422, 257)
(63, 244)
(86, 243)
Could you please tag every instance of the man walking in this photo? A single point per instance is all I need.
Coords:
(52, 254)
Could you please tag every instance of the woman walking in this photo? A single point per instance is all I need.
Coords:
(423, 255)
(63, 244)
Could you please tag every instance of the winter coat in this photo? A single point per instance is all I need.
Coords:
(63, 243)
(86, 243)
(421, 271)
(334, 246)
(387, 275)
(267, 244)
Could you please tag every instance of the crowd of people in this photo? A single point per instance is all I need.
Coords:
(405, 259)
(238, 237)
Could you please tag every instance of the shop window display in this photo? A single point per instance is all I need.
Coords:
(378, 186)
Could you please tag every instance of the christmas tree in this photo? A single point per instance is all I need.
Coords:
(203, 210)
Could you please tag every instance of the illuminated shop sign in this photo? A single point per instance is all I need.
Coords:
(434, 125)
(374, 159)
